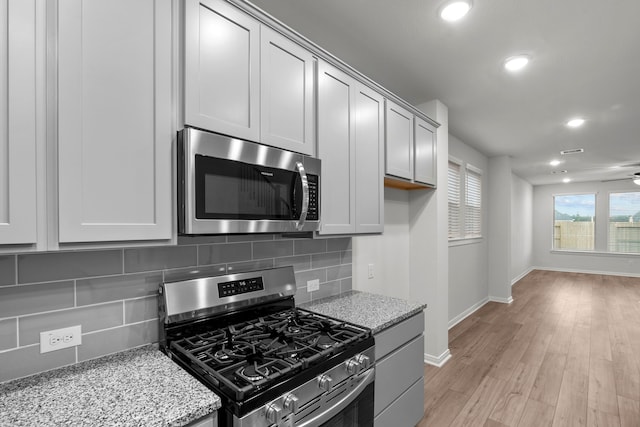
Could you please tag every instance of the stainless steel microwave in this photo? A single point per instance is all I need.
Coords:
(228, 185)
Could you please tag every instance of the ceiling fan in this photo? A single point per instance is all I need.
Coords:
(635, 178)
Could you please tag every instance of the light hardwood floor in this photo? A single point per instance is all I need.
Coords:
(566, 352)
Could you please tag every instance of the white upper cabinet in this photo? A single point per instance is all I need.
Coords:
(222, 69)
(369, 155)
(287, 88)
(410, 149)
(115, 120)
(336, 149)
(350, 145)
(425, 152)
(246, 80)
(17, 122)
(399, 141)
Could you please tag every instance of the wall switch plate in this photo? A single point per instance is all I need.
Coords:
(371, 271)
(313, 285)
(60, 338)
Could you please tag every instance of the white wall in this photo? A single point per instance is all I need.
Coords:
(521, 228)
(389, 252)
(596, 262)
(499, 236)
(410, 258)
(468, 276)
(429, 273)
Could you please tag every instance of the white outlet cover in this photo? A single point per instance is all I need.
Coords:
(313, 285)
(58, 339)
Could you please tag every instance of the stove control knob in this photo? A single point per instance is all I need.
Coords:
(325, 382)
(363, 361)
(273, 413)
(352, 365)
(291, 402)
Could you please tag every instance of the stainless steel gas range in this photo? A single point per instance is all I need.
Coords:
(272, 363)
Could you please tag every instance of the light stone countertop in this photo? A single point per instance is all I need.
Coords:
(377, 312)
(138, 387)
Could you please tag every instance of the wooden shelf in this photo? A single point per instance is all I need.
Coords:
(405, 185)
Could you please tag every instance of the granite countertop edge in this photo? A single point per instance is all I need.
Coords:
(140, 386)
(377, 312)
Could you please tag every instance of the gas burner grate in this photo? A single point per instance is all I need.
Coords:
(248, 356)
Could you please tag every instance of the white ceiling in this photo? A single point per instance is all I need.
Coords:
(585, 62)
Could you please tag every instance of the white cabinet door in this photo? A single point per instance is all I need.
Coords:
(369, 152)
(115, 121)
(425, 152)
(17, 122)
(399, 141)
(336, 149)
(222, 69)
(287, 87)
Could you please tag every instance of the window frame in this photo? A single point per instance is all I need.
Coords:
(608, 221)
(553, 220)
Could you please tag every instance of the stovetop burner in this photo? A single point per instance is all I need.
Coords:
(253, 373)
(249, 355)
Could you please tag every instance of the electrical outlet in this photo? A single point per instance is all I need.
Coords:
(371, 271)
(313, 285)
(60, 338)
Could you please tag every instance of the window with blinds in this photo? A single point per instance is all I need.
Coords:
(473, 203)
(465, 201)
(453, 181)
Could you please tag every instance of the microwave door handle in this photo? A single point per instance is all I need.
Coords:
(305, 196)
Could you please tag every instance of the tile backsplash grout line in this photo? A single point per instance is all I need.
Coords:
(15, 271)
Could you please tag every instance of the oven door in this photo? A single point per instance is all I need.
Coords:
(355, 408)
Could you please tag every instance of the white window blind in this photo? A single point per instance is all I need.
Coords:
(453, 180)
(473, 203)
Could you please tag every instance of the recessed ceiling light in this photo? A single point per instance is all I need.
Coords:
(455, 10)
(575, 123)
(516, 63)
(566, 180)
(555, 162)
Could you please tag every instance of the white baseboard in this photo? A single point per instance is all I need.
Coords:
(521, 275)
(468, 312)
(501, 300)
(574, 270)
(437, 361)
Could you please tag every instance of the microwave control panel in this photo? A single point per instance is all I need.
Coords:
(312, 212)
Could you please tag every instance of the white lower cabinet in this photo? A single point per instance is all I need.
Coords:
(399, 384)
(115, 120)
(350, 146)
(18, 122)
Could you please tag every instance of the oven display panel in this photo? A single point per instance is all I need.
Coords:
(237, 287)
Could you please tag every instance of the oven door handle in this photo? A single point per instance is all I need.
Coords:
(341, 404)
(305, 196)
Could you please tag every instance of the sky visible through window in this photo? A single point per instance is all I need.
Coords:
(583, 205)
(624, 204)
